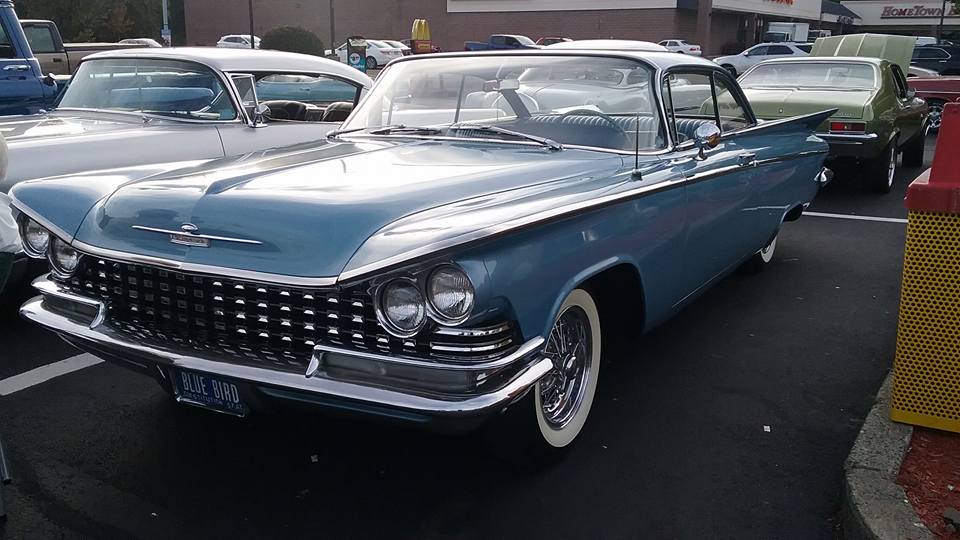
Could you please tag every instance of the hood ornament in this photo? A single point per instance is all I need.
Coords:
(189, 235)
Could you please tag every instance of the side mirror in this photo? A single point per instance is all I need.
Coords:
(260, 113)
(911, 93)
(706, 137)
(49, 79)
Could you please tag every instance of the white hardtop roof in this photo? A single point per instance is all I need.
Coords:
(608, 45)
(244, 60)
(661, 58)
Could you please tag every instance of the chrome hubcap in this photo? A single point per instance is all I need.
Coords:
(935, 112)
(570, 347)
(892, 167)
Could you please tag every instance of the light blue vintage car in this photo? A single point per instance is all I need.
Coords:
(457, 252)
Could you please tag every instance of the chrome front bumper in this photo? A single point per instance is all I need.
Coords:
(339, 378)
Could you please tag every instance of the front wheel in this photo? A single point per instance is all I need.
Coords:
(552, 414)
(881, 171)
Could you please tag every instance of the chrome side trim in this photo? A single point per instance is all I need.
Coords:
(525, 350)
(472, 332)
(194, 268)
(207, 236)
(501, 228)
(788, 157)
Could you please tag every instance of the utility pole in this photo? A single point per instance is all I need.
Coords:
(165, 32)
(333, 39)
(253, 41)
(943, 11)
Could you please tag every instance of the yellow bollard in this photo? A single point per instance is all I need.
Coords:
(926, 372)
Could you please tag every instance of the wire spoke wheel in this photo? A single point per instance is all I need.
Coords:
(570, 349)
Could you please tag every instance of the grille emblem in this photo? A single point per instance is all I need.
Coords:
(189, 228)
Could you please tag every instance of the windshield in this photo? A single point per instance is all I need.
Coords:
(166, 87)
(811, 74)
(524, 40)
(576, 100)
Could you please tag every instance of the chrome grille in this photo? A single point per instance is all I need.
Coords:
(267, 324)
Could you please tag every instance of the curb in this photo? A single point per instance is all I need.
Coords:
(874, 506)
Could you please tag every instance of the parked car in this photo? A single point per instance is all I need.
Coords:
(143, 42)
(405, 50)
(923, 73)
(57, 57)
(544, 41)
(877, 117)
(379, 53)
(608, 45)
(937, 92)
(739, 63)
(926, 40)
(681, 46)
(473, 262)
(174, 104)
(24, 88)
(9, 238)
(498, 42)
(944, 59)
(238, 41)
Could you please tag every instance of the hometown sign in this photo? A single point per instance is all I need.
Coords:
(915, 12)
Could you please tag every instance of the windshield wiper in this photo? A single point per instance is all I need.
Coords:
(549, 143)
(387, 130)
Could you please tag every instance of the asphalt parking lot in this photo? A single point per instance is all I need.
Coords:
(730, 421)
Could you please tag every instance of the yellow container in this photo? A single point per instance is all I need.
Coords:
(926, 372)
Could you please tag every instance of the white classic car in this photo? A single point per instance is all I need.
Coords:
(136, 107)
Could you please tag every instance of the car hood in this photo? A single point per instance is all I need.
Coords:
(770, 103)
(58, 124)
(302, 211)
(71, 142)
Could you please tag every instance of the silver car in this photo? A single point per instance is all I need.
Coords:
(141, 106)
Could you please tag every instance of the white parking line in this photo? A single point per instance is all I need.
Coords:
(858, 218)
(43, 374)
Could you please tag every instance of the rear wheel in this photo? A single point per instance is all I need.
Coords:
(935, 115)
(552, 414)
(881, 171)
(371, 62)
(762, 258)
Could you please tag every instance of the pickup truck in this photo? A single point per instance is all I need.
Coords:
(23, 87)
(57, 57)
(498, 42)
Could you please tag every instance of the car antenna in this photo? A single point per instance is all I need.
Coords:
(636, 150)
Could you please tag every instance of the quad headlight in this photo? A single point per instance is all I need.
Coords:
(443, 293)
(63, 259)
(35, 238)
(402, 308)
(450, 294)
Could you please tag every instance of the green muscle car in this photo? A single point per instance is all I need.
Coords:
(862, 76)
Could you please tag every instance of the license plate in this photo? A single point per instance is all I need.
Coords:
(208, 392)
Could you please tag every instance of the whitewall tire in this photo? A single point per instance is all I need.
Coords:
(553, 413)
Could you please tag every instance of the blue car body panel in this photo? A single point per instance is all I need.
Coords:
(22, 90)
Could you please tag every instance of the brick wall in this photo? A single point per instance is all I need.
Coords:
(207, 20)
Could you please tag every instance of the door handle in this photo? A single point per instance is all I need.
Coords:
(747, 160)
(17, 67)
(57, 60)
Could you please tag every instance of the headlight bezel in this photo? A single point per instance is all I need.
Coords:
(23, 223)
(381, 309)
(436, 313)
(56, 267)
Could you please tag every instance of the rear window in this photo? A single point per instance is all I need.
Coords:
(811, 74)
(40, 39)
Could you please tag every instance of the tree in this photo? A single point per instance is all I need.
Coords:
(292, 39)
(105, 20)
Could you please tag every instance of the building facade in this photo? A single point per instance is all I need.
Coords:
(914, 18)
(719, 26)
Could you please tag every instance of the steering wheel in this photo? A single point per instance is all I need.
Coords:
(594, 112)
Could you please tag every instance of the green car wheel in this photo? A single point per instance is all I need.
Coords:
(883, 169)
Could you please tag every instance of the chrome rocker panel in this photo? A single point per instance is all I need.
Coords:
(90, 332)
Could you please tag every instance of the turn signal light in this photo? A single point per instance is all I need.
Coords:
(848, 127)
